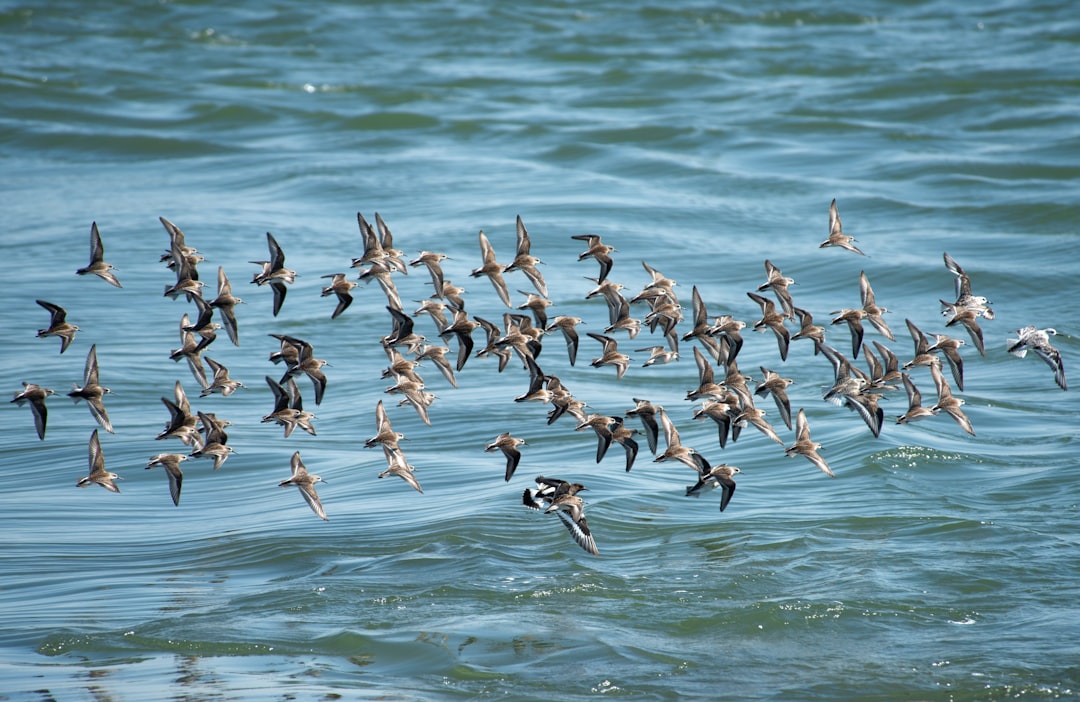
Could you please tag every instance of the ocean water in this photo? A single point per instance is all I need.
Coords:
(698, 138)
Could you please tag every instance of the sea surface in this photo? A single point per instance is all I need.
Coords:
(699, 138)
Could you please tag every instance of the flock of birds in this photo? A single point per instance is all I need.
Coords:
(723, 390)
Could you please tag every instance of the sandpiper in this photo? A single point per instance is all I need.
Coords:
(339, 287)
(58, 325)
(274, 272)
(191, 351)
(35, 395)
(773, 384)
(712, 477)
(182, 423)
(598, 251)
(98, 475)
(221, 382)
(778, 283)
(675, 450)
(915, 410)
(771, 319)
(836, 232)
(611, 356)
(396, 464)
(947, 402)
(646, 412)
(384, 432)
(560, 496)
(492, 269)
(97, 265)
(305, 481)
(509, 446)
(93, 392)
(224, 303)
(525, 262)
(171, 463)
(1038, 340)
(804, 446)
(433, 261)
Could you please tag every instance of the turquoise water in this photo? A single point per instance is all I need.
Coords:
(702, 140)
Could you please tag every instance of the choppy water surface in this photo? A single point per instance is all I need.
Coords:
(702, 140)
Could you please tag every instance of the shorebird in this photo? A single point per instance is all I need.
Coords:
(675, 451)
(492, 269)
(274, 272)
(92, 391)
(221, 382)
(285, 413)
(702, 330)
(712, 477)
(624, 436)
(462, 327)
(384, 432)
(804, 446)
(415, 395)
(35, 395)
(509, 446)
(180, 258)
(560, 496)
(950, 348)
(214, 446)
(171, 463)
(658, 355)
(773, 384)
(968, 318)
(98, 475)
(433, 262)
(339, 287)
(923, 356)
(598, 251)
(600, 424)
(97, 265)
(491, 347)
(1038, 340)
(437, 355)
(948, 403)
(836, 232)
(726, 328)
(382, 272)
(915, 410)
(708, 388)
(58, 325)
(182, 423)
(434, 309)
(305, 481)
(402, 333)
(525, 262)
(771, 319)
(392, 256)
(752, 415)
(964, 297)
(191, 351)
(566, 324)
(307, 364)
(610, 356)
(536, 304)
(646, 412)
(204, 325)
(396, 464)
(224, 303)
(778, 283)
(871, 308)
(809, 330)
(723, 412)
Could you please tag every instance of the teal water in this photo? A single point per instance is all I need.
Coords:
(700, 139)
